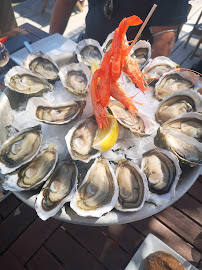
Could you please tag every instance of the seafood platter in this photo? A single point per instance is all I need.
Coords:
(110, 138)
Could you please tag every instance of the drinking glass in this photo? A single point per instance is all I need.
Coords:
(4, 58)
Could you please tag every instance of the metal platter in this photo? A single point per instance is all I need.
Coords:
(114, 217)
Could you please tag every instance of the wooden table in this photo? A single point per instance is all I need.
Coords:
(26, 242)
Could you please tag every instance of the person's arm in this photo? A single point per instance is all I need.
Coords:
(60, 15)
(163, 40)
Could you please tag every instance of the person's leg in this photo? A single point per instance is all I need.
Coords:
(7, 18)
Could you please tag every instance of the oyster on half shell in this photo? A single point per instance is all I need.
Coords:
(162, 170)
(21, 80)
(133, 187)
(20, 149)
(98, 192)
(41, 64)
(141, 52)
(80, 139)
(177, 104)
(75, 78)
(58, 190)
(34, 173)
(55, 114)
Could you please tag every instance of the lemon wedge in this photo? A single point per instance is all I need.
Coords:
(106, 137)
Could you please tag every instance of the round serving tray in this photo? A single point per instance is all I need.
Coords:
(187, 179)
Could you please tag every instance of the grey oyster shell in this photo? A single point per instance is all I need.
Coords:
(58, 189)
(42, 64)
(133, 187)
(98, 192)
(162, 170)
(34, 173)
(75, 78)
(177, 104)
(55, 114)
(79, 140)
(141, 52)
(21, 80)
(20, 149)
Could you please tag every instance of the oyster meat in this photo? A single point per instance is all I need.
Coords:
(162, 170)
(139, 123)
(175, 81)
(76, 78)
(21, 80)
(89, 51)
(177, 104)
(34, 173)
(42, 64)
(80, 139)
(20, 149)
(141, 52)
(107, 45)
(133, 187)
(58, 190)
(56, 114)
(98, 192)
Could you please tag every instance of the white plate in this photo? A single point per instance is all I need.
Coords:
(150, 245)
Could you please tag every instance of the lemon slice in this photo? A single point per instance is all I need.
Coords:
(106, 137)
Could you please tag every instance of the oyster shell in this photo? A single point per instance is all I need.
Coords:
(138, 124)
(133, 187)
(76, 78)
(107, 45)
(20, 149)
(21, 80)
(141, 52)
(175, 81)
(34, 173)
(158, 66)
(58, 190)
(80, 139)
(42, 64)
(162, 170)
(56, 114)
(98, 192)
(177, 104)
(89, 51)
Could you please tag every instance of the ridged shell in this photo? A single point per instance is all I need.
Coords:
(91, 199)
(20, 74)
(38, 170)
(51, 69)
(164, 195)
(15, 160)
(75, 78)
(58, 189)
(133, 187)
(54, 112)
(108, 42)
(141, 52)
(89, 50)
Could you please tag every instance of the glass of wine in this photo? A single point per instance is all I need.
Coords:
(4, 58)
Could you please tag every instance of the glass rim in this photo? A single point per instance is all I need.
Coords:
(2, 47)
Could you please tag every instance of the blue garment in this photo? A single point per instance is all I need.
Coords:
(168, 12)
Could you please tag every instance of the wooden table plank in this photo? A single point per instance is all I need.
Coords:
(8, 261)
(35, 31)
(8, 205)
(195, 190)
(71, 253)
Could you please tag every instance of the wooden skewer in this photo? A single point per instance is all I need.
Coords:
(143, 25)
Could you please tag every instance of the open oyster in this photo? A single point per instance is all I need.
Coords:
(21, 80)
(139, 123)
(75, 78)
(42, 64)
(133, 187)
(58, 190)
(177, 104)
(34, 173)
(80, 139)
(158, 66)
(175, 81)
(107, 45)
(20, 149)
(162, 170)
(98, 192)
(56, 114)
(89, 51)
(141, 52)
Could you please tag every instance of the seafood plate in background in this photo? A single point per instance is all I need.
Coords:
(78, 183)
